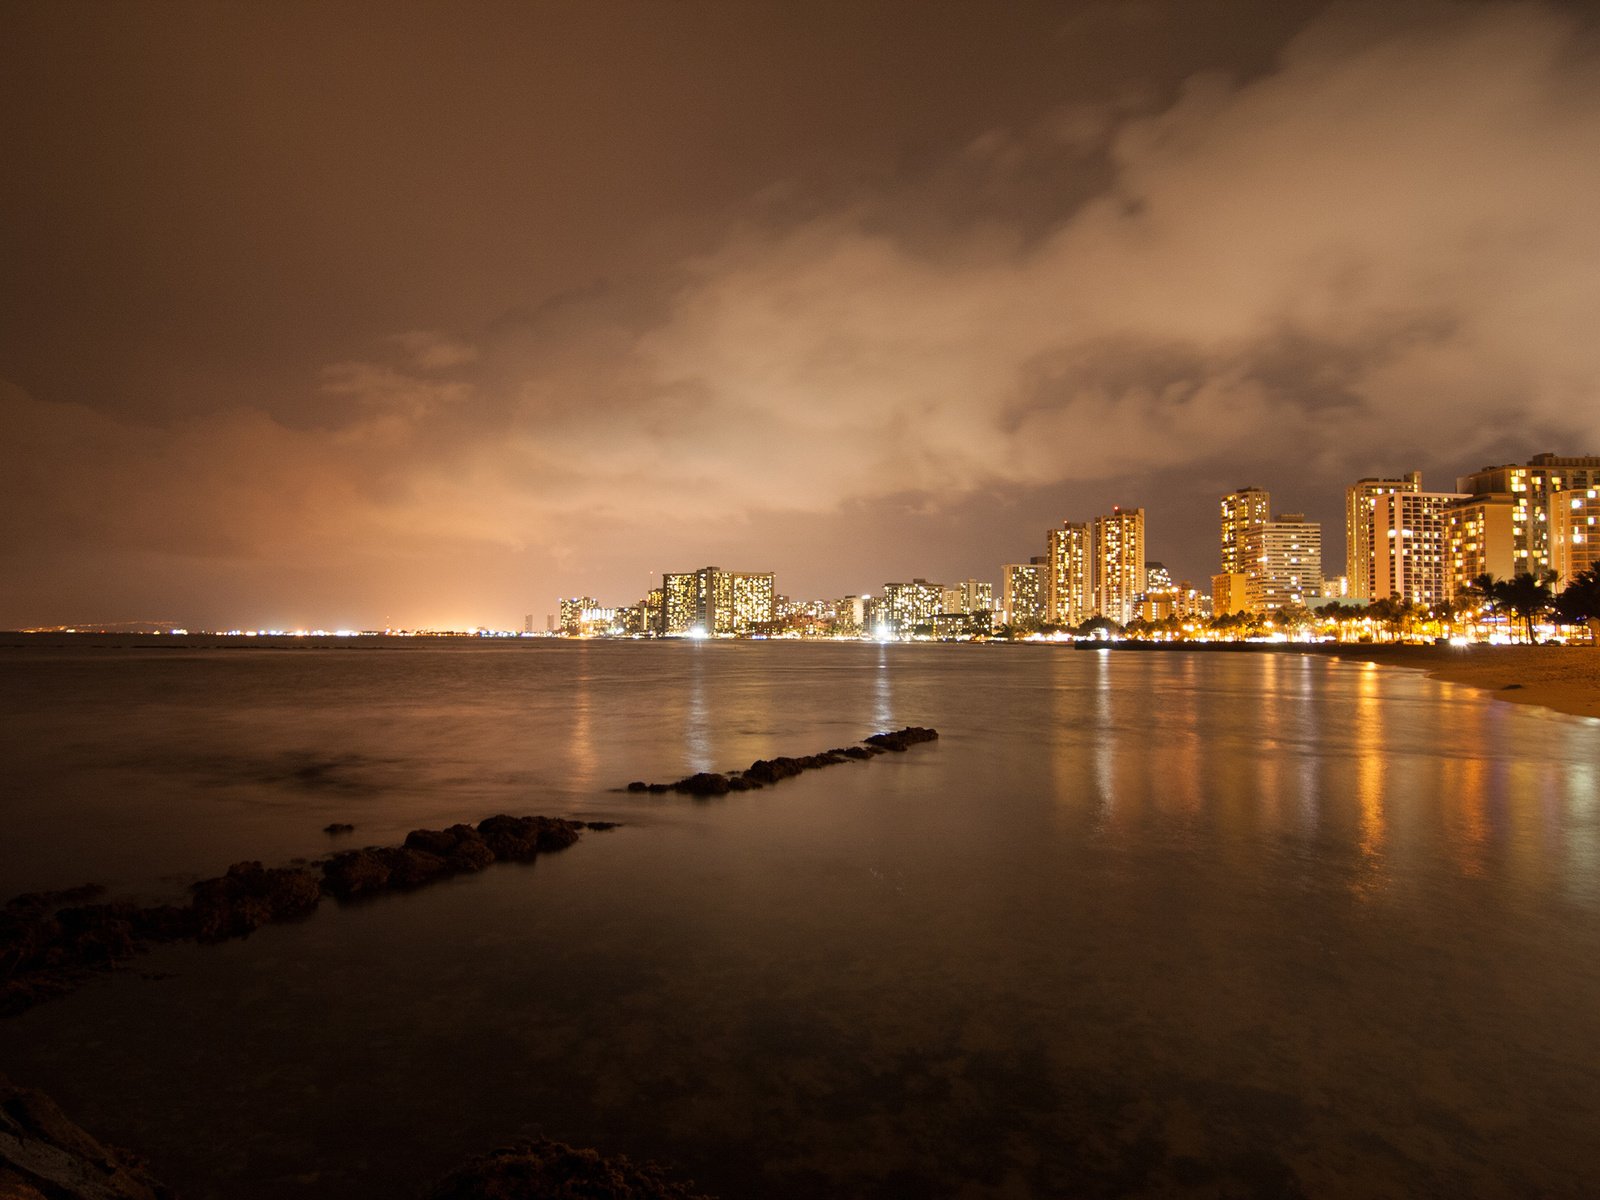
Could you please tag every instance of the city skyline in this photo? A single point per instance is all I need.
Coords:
(295, 333)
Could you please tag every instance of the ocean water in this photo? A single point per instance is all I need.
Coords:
(1136, 925)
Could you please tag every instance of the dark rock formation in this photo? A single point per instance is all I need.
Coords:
(540, 1169)
(44, 1156)
(249, 896)
(765, 771)
(48, 946)
(338, 827)
(903, 739)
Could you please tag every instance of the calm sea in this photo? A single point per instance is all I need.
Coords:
(1137, 925)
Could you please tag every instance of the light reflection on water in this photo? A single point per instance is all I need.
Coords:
(1137, 924)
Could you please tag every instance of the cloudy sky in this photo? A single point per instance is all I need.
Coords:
(323, 314)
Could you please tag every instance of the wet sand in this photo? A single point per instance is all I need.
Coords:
(1563, 678)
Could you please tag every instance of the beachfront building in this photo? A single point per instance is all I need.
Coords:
(1024, 593)
(1574, 533)
(1360, 549)
(907, 605)
(1228, 594)
(1242, 509)
(577, 612)
(1408, 532)
(1479, 540)
(1533, 487)
(1119, 562)
(1281, 562)
(1070, 597)
(713, 601)
(850, 615)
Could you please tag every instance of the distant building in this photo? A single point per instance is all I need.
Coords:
(1071, 597)
(1024, 593)
(1241, 509)
(714, 601)
(1119, 562)
(1157, 578)
(907, 605)
(575, 612)
(1228, 594)
(850, 615)
(969, 596)
(1574, 533)
(1479, 539)
(1282, 562)
(1533, 488)
(1360, 552)
(1408, 532)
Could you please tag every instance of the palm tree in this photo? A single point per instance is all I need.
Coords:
(1482, 593)
(1527, 595)
(1579, 602)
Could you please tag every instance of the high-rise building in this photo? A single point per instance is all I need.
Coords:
(1532, 488)
(1408, 532)
(1228, 594)
(1024, 592)
(1360, 553)
(715, 601)
(1157, 578)
(907, 605)
(1479, 539)
(1282, 562)
(1574, 533)
(969, 596)
(1119, 562)
(1070, 598)
(575, 613)
(1241, 509)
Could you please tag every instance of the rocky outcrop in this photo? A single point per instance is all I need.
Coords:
(44, 1156)
(766, 771)
(49, 944)
(541, 1169)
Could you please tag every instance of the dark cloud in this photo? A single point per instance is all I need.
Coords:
(1284, 259)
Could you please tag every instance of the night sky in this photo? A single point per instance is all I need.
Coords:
(353, 315)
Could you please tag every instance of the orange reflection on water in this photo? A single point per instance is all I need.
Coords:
(1370, 748)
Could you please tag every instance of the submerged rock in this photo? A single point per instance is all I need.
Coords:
(902, 739)
(339, 827)
(355, 873)
(541, 1169)
(766, 771)
(703, 783)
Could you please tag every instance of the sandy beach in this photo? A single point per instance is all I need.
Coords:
(1563, 678)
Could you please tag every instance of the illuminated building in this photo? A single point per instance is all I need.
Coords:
(714, 601)
(907, 605)
(1024, 592)
(968, 596)
(1574, 533)
(1228, 594)
(1360, 552)
(1157, 578)
(1241, 509)
(1119, 562)
(1479, 539)
(850, 615)
(1282, 562)
(573, 613)
(1071, 598)
(1408, 532)
(1533, 488)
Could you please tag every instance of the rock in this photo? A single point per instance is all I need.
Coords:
(856, 752)
(409, 868)
(355, 873)
(434, 841)
(537, 1168)
(658, 788)
(43, 1154)
(602, 826)
(338, 827)
(771, 770)
(638, 785)
(703, 783)
(519, 839)
(249, 896)
(902, 739)
(45, 901)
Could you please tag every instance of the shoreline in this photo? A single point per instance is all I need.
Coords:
(1563, 679)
